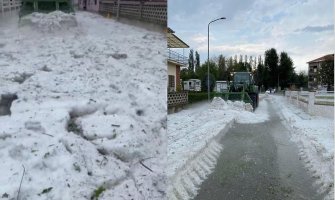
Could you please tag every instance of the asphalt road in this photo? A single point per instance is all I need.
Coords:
(259, 162)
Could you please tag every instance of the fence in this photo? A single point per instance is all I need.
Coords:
(9, 5)
(147, 10)
(176, 100)
(314, 103)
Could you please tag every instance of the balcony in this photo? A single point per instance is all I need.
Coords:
(177, 58)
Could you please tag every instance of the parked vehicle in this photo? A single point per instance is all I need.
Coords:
(192, 85)
(221, 86)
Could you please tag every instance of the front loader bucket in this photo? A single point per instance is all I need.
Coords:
(45, 6)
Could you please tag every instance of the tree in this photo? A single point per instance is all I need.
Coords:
(213, 73)
(222, 71)
(285, 69)
(204, 82)
(184, 75)
(191, 62)
(326, 74)
(262, 76)
(197, 60)
(302, 80)
(271, 63)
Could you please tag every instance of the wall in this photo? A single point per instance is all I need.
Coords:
(172, 69)
(311, 102)
(154, 11)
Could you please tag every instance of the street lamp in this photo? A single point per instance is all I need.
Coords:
(208, 87)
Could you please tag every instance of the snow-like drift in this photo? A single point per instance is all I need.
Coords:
(315, 138)
(51, 22)
(192, 146)
(91, 109)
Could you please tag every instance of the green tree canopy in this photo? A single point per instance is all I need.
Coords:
(271, 63)
(326, 74)
(286, 69)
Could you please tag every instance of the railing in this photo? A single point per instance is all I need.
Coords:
(316, 103)
(178, 58)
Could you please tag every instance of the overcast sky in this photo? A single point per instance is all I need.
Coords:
(302, 28)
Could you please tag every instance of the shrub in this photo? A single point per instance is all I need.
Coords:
(199, 96)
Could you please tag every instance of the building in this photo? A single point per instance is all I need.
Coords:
(176, 97)
(175, 60)
(313, 68)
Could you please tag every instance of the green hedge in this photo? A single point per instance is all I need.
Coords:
(199, 96)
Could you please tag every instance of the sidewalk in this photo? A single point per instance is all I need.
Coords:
(315, 139)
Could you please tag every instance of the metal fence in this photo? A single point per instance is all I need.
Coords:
(154, 11)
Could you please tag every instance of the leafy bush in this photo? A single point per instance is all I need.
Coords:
(199, 96)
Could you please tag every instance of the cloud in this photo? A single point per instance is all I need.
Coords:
(237, 49)
(255, 26)
(199, 39)
(329, 27)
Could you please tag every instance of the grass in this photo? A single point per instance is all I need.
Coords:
(324, 103)
(73, 126)
(44, 191)
(97, 193)
(324, 97)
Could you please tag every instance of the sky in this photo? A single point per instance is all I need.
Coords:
(302, 28)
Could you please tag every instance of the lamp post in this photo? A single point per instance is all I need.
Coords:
(208, 87)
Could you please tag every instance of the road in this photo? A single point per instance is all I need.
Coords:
(259, 162)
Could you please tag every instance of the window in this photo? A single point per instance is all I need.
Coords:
(171, 83)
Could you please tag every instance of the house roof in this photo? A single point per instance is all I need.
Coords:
(329, 57)
(173, 41)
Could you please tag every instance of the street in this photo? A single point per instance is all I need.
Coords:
(259, 162)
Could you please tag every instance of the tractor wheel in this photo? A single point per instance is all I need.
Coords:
(253, 97)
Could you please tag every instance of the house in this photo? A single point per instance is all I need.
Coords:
(176, 97)
(175, 60)
(313, 68)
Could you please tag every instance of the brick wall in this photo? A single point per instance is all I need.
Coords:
(178, 75)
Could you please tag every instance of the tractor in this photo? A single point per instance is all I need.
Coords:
(243, 88)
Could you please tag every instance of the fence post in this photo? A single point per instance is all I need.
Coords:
(289, 95)
(118, 9)
(141, 9)
(297, 100)
(311, 100)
